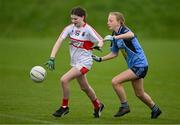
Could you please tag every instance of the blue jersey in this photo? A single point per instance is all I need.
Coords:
(130, 48)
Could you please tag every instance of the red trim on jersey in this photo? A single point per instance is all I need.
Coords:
(84, 25)
(86, 44)
(84, 70)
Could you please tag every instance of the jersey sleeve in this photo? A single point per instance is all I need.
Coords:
(94, 36)
(66, 31)
(114, 48)
(125, 30)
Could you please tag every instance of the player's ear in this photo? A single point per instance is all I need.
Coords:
(119, 21)
(84, 18)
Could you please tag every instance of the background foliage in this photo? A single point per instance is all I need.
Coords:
(148, 18)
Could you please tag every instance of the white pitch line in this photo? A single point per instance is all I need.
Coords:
(25, 118)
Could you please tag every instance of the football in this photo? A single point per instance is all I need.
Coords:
(38, 74)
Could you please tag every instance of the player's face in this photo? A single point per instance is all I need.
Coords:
(77, 20)
(112, 22)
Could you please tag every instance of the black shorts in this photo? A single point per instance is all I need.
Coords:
(140, 71)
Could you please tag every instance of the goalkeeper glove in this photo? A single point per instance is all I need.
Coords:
(96, 58)
(50, 64)
(109, 38)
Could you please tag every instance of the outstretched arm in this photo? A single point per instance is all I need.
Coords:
(56, 47)
(104, 58)
(50, 64)
(109, 56)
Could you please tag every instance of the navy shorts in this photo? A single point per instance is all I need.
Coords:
(140, 71)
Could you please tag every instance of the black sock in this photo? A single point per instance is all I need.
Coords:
(124, 105)
(154, 108)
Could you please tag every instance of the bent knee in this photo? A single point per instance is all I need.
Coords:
(85, 89)
(63, 80)
(139, 95)
(115, 82)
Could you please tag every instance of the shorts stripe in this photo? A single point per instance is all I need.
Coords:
(84, 70)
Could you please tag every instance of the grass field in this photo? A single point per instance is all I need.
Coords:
(22, 101)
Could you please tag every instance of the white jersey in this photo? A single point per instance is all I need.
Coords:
(81, 42)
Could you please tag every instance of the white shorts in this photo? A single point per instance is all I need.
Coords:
(83, 66)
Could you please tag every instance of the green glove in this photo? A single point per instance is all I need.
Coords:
(50, 64)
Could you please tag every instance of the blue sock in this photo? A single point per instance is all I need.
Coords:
(125, 105)
(154, 108)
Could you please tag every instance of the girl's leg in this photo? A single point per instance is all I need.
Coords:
(117, 83)
(83, 82)
(144, 97)
(65, 79)
(98, 106)
(139, 92)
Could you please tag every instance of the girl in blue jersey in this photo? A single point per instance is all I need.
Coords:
(123, 39)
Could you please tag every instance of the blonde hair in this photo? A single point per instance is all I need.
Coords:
(119, 17)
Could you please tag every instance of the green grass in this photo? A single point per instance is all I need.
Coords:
(22, 101)
(152, 18)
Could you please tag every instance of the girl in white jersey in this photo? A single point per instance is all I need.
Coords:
(82, 38)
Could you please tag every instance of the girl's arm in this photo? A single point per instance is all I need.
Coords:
(56, 47)
(109, 56)
(100, 43)
(127, 35)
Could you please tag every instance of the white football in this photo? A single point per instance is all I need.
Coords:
(38, 74)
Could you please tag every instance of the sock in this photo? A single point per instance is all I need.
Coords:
(154, 108)
(125, 105)
(64, 103)
(96, 103)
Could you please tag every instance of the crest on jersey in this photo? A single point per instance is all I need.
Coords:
(83, 34)
(71, 32)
